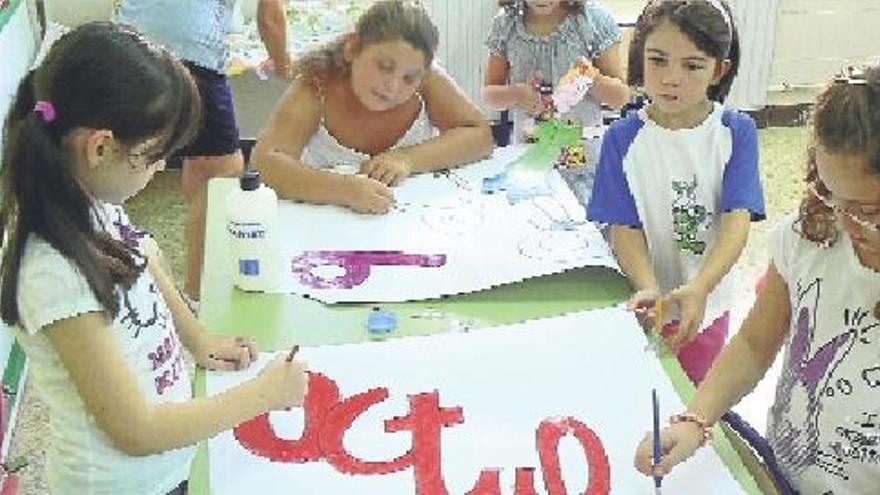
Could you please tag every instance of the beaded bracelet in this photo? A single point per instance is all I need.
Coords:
(697, 420)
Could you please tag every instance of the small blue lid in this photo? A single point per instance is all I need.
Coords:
(380, 321)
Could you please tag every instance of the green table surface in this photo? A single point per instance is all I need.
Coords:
(277, 321)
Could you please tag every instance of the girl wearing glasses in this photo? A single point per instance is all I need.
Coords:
(821, 302)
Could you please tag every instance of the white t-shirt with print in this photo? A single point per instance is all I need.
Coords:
(824, 426)
(81, 458)
(674, 185)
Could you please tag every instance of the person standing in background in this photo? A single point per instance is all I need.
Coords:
(536, 42)
(196, 31)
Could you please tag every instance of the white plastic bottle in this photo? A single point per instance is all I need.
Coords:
(251, 222)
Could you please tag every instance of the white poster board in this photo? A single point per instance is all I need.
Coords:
(444, 237)
(495, 389)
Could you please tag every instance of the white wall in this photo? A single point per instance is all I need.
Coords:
(17, 48)
(463, 26)
(815, 38)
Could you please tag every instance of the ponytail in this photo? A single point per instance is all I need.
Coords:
(24, 100)
(142, 92)
(38, 189)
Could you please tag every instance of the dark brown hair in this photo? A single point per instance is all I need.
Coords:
(384, 21)
(846, 119)
(702, 22)
(98, 76)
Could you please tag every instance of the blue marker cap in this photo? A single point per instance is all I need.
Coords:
(380, 321)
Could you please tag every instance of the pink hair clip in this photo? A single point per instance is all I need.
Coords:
(46, 109)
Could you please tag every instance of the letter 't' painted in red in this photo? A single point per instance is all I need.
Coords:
(425, 419)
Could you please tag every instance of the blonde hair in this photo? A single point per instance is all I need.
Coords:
(384, 21)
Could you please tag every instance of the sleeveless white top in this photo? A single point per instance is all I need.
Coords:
(325, 152)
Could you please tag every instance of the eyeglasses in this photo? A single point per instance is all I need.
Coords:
(866, 216)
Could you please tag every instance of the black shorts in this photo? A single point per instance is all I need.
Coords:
(218, 134)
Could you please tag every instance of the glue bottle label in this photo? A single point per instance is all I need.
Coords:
(249, 238)
(246, 230)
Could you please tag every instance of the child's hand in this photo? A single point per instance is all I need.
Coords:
(284, 383)
(368, 195)
(283, 68)
(528, 99)
(691, 301)
(678, 442)
(389, 168)
(643, 303)
(224, 352)
(583, 67)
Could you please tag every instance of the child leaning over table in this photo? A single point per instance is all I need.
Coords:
(371, 102)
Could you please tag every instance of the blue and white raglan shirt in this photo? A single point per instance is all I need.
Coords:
(81, 458)
(674, 185)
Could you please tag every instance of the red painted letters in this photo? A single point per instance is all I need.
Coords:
(328, 417)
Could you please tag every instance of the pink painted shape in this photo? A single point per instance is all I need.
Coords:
(357, 265)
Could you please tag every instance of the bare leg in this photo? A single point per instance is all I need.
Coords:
(196, 173)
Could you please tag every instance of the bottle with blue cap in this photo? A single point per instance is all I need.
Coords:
(251, 223)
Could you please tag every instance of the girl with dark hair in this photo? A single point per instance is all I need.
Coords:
(101, 323)
(821, 300)
(678, 180)
(708, 24)
(363, 113)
